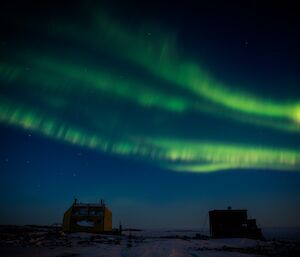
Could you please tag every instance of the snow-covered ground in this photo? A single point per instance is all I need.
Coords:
(51, 242)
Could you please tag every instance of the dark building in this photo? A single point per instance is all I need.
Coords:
(232, 223)
(87, 217)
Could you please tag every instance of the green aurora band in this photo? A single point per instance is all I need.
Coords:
(58, 83)
(159, 56)
(173, 154)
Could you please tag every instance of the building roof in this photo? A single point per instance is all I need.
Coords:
(237, 210)
(89, 205)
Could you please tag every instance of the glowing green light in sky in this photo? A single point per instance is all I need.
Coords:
(216, 156)
(159, 55)
(167, 153)
(161, 58)
(78, 102)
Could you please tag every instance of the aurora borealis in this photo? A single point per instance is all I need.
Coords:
(176, 85)
(182, 95)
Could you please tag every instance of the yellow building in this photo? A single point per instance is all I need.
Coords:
(83, 217)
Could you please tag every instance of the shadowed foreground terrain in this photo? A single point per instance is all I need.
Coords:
(51, 241)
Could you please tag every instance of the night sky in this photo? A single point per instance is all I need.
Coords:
(164, 110)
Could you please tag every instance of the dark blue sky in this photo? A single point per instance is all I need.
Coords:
(41, 177)
(252, 46)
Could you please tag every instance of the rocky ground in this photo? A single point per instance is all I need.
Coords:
(51, 241)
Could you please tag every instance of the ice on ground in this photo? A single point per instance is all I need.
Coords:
(85, 223)
(52, 242)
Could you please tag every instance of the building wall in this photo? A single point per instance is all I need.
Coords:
(67, 220)
(96, 222)
(228, 223)
(107, 220)
(232, 223)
